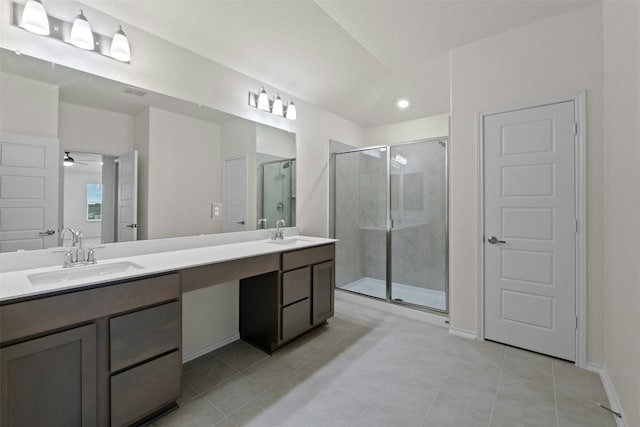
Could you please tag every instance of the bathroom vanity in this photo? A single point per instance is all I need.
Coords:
(108, 351)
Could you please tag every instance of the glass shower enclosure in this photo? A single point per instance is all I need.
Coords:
(277, 192)
(390, 216)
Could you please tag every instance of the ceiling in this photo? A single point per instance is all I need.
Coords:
(353, 58)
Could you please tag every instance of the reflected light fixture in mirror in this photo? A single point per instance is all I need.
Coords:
(403, 103)
(81, 34)
(120, 49)
(34, 18)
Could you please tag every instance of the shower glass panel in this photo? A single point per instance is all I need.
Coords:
(278, 192)
(418, 184)
(360, 221)
(390, 216)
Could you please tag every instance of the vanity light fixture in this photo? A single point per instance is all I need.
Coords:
(120, 48)
(81, 34)
(68, 160)
(33, 17)
(276, 107)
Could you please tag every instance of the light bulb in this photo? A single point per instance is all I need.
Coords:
(291, 111)
(263, 99)
(34, 18)
(81, 34)
(120, 49)
(277, 108)
(403, 103)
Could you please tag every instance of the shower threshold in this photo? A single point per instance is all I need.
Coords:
(428, 298)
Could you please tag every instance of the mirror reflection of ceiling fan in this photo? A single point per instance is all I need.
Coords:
(70, 161)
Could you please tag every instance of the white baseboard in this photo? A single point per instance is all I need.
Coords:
(470, 335)
(614, 402)
(208, 349)
(411, 313)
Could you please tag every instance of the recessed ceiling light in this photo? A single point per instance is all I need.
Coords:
(403, 103)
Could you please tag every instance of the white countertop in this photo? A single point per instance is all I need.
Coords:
(16, 284)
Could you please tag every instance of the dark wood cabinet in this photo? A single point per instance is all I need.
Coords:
(323, 292)
(50, 381)
(78, 358)
(279, 307)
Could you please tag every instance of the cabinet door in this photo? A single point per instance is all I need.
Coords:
(322, 292)
(50, 381)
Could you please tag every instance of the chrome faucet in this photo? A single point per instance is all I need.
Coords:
(279, 230)
(262, 221)
(74, 235)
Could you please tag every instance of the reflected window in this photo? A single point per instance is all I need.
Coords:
(94, 202)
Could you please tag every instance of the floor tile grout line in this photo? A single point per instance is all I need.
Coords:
(441, 387)
(495, 398)
(555, 393)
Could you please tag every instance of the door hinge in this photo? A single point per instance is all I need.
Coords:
(575, 128)
(575, 225)
(576, 322)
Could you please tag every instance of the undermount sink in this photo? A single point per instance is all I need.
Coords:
(291, 241)
(82, 272)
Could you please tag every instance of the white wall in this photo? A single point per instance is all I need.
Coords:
(549, 58)
(622, 203)
(75, 206)
(28, 106)
(184, 175)
(411, 130)
(275, 142)
(92, 130)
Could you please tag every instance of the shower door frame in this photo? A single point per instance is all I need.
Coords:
(389, 221)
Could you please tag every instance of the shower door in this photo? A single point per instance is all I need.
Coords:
(360, 221)
(418, 195)
(390, 216)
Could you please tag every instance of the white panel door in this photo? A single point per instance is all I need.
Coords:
(530, 229)
(235, 194)
(127, 213)
(29, 182)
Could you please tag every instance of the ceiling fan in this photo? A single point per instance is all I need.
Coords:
(70, 161)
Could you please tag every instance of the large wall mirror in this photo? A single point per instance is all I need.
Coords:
(141, 165)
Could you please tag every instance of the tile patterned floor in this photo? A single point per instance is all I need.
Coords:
(371, 368)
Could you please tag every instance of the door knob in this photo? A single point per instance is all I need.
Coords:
(47, 233)
(493, 240)
(240, 222)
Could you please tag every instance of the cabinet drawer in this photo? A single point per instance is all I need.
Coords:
(144, 334)
(296, 259)
(144, 389)
(296, 319)
(45, 314)
(296, 285)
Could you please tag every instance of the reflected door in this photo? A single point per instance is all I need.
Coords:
(360, 221)
(418, 196)
(235, 194)
(128, 197)
(29, 175)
